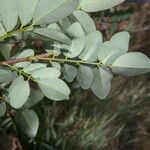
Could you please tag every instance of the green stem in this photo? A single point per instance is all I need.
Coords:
(71, 61)
(22, 29)
(20, 72)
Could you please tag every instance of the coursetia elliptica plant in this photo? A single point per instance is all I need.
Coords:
(46, 44)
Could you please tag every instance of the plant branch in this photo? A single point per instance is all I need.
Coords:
(14, 61)
(48, 57)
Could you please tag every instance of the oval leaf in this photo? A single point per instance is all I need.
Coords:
(19, 92)
(33, 67)
(108, 53)
(54, 89)
(102, 83)
(5, 75)
(49, 73)
(69, 72)
(85, 76)
(97, 5)
(93, 42)
(78, 41)
(121, 40)
(85, 20)
(5, 49)
(130, 64)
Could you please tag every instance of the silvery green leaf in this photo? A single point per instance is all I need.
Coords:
(98, 5)
(33, 67)
(28, 122)
(2, 30)
(56, 65)
(50, 11)
(102, 83)
(35, 96)
(5, 49)
(78, 41)
(26, 53)
(8, 13)
(49, 73)
(130, 64)
(54, 89)
(19, 92)
(85, 76)
(85, 20)
(121, 40)
(5, 75)
(108, 53)
(2, 109)
(53, 34)
(69, 72)
(26, 10)
(93, 42)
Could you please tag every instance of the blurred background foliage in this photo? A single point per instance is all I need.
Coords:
(121, 122)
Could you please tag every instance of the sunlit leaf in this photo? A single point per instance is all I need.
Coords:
(54, 89)
(49, 73)
(133, 63)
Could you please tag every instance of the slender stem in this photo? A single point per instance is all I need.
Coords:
(71, 61)
(20, 72)
(22, 29)
(47, 57)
